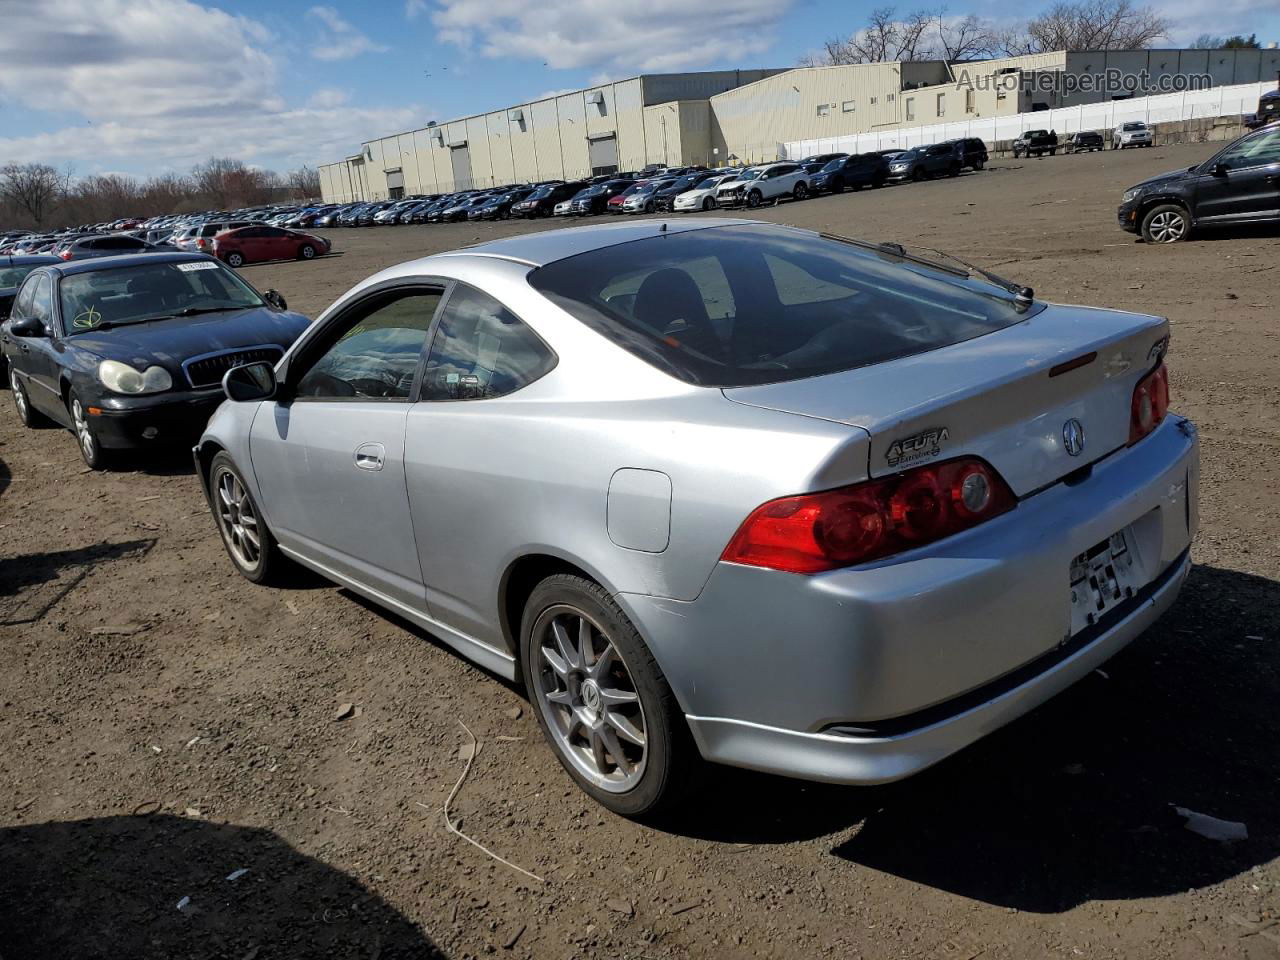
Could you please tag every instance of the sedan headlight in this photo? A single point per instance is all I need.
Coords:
(121, 378)
(1130, 195)
(898, 167)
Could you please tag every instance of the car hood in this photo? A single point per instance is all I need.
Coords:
(1162, 179)
(171, 342)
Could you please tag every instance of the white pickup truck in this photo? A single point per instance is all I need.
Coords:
(769, 181)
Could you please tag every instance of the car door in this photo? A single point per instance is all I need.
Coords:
(462, 457)
(329, 454)
(38, 356)
(1241, 183)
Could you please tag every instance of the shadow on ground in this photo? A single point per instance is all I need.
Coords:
(1073, 802)
(110, 888)
(54, 574)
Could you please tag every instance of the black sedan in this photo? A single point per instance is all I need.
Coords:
(13, 270)
(129, 352)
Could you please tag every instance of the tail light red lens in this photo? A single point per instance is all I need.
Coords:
(823, 531)
(1150, 403)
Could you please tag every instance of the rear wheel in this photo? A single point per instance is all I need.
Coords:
(235, 259)
(308, 252)
(26, 413)
(1167, 223)
(954, 171)
(249, 543)
(601, 699)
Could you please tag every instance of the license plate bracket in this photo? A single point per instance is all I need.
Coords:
(1102, 578)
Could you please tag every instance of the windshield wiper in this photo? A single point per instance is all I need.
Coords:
(1017, 289)
(196, 311)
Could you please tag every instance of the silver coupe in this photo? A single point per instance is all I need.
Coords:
(725, 490)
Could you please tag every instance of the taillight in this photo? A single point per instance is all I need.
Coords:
(815, 532)
(1150, 403)
(66, 254)
(200, 242)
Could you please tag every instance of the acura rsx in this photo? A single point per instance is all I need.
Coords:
(725, 490)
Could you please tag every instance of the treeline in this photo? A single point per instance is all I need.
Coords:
(39, 196)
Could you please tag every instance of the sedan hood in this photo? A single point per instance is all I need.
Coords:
(171, 342)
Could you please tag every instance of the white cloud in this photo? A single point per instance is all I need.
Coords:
(662, 35)
(414, 8)
(340, 39)
(164, 84)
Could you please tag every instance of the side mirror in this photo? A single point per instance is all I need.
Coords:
(1220, 169)
(276, 299)
(253, 381)
(28, 327)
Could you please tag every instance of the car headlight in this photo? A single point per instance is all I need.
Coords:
(1130, 195)
(898, 167)
(121, 378)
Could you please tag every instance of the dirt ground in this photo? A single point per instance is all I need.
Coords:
(164, 723)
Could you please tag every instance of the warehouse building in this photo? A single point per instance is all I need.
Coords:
(655, 118)
(729, 116)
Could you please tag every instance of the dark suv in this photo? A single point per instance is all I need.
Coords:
(1085, 141)
(1239, 184)
(1035, 142)
(543, 200)
(853, 173)
(971, 151)
(923, 162)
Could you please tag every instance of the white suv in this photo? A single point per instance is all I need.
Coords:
(770, 181)
(1132, 134)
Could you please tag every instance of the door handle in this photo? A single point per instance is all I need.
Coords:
(369, 456)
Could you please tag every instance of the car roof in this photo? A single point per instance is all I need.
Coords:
(28, 260)
(539, 249)
(74, 267)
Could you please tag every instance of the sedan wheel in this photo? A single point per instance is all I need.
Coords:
(708, 204)
(308, 252)
(235, 260)
(26, 414)
(244, 533)
(1166, 224)
(90, 450)
(601, 699)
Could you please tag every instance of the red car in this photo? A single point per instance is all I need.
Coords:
(251, 244)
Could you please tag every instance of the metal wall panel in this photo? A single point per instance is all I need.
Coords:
(571, 108)
(628, 99)
(546, 139)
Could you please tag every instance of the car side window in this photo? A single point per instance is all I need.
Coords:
(482, 350)
(41, 306)
(22, 303)
(373, 354)
(1254, 152)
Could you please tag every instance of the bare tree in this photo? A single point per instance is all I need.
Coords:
(1090, 25)
(967, 38)
(920, 35)
(1206, 41)
(304, 183)
(35, 189)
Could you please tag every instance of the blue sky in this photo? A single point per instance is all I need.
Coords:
(149, 86)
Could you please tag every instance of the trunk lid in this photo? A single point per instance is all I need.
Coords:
(992, 397)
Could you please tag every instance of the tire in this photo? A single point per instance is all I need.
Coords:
(917, 175)
(953, 172)
(1167, 223)
(1053, 151)
(1016, 155)
(235, 259)
(856, 187)
(838, 187)
(230, 512)
(91, 452)
(754, 198)
(708, 204)
(801, 192)
(307, 252)
(979, 164)
(26, 413)
(631, 779)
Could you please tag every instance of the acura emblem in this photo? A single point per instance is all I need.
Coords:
(1073, 437)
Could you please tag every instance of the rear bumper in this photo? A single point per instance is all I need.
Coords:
(872, 673)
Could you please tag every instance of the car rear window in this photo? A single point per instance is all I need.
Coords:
(748, 304)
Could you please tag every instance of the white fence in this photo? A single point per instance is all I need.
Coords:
(1162, 108)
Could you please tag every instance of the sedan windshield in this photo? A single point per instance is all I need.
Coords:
(749, 174)
(153, 291)
(739, 305)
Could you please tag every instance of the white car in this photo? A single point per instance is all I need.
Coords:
(703, 196)
(770, 181)
(1135, 133)
(562, 208)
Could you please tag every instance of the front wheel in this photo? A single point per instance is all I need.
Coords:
(917, 175)
(979, 164)
(249, 543)
(601, 699)
(953, 172)
(308, 252)
(754, 198)
(91, 451)
(235, 259)
(1167, 223)
(801, 191)
(708, 204)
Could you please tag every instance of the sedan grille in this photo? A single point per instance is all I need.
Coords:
(208, 371)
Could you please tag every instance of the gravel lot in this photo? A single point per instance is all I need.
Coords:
(164, 723)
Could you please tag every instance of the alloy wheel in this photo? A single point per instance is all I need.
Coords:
(238, 520)
(589, 700)
(1167, 227)
(19, 397)
(84, 434)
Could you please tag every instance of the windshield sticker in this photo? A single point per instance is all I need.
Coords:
(198, 265)
(86, 319)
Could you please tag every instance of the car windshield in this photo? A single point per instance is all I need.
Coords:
(834, 164)
(684, 183)
(739, 305)
(749, 174)
(1135, 126)
(907, 155)
(12, 276)
(152, 291)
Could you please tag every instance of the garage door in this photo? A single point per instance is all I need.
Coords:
(603, 154)
(460, 156)
(395, 183)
